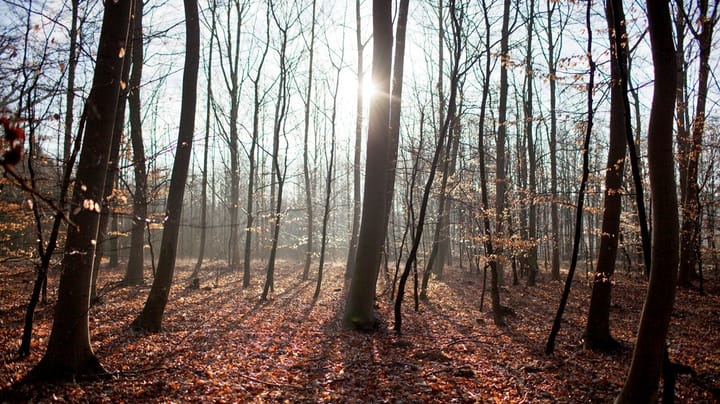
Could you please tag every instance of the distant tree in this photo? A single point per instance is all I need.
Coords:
(500, 170)
(456, 16)
(359, 311)
(69, 354)
(252, 161)
(531, 258)
(206, 146)
(642, 380)
(47, 251)
(552, 42)
(278, 171)
(355, 228)
(306, 166)
(579, 209)
(330, 172)
(150, 319)
(597, 331)
(691, 223)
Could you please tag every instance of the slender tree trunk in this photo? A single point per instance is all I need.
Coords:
(455, 78)
(306, 168)
(531, 260)
(554, 214)
(500, 182)
(69, 157)
(597, 331)
(281, 108)
(69, 353)
(252, 159)
(134, 274)
(150, 319)
(691, 224)
(352, 249)
(395, 109)
(206, 146)
(328, 184)
(581, 192)
(642, 381)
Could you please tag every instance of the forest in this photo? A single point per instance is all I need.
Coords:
(359, 201)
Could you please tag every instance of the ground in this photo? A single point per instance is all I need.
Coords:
(220, 343)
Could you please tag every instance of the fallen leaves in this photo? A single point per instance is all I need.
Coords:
(224, 345)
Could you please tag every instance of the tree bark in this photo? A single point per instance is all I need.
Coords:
(352, 248)
(691, 225)
(206, 146)
(359, 311)
(642, 381)
(69, 354)
(150, 319)
(597, 331)
(554, 214)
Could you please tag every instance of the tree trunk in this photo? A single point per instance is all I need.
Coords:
(531, 259)
(554, 214)
(691, 225)
(206, 146)
(150, 319)
(328, 183)
(134, 274)
(252, 161)
(642, 381)
(281, 108)
(112, 167)
(306, 168)
(69, 354)
(500, 185)
(352, 248)
(597, 331)
(359, 312)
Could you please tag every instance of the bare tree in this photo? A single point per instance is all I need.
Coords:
(150, 319)
(69, 353)
(597, 331)
(352, 248)
(642, 380)
(359, 312)
(206, 147)
(252, 162)
(306, 168)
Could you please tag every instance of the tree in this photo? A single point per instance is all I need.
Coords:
(352, 248)
(306, 168)
(150, 319)
(455, 77)
(691, 225)
(252, 163)
(552, 76)
(642, 380)
(206, 147)
(597, 331)
(359, 312)
(330, 173)
(531, 258)
(69, 354)
(500, 180)
(278, 172)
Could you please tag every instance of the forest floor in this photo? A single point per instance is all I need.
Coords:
(220, 343)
